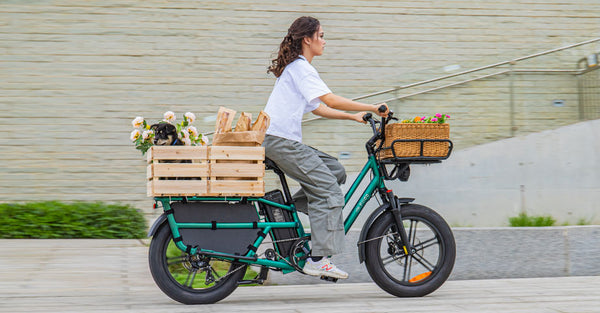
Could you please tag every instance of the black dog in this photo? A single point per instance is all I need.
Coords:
(165, 134)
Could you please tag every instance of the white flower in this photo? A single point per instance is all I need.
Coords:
(135, 135)
(187, 141)
(169, 116)
(190, 117)
(185, 133)
(204, 140)
(193, 131)
(146, 134)
(137, 122)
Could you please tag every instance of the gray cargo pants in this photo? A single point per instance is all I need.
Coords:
(320, 176)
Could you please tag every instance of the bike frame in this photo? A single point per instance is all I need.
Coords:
(376, 183)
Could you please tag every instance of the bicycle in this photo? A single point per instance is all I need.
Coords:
(202, 246)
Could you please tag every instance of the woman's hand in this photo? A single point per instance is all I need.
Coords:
(359, 117)
(376, 109)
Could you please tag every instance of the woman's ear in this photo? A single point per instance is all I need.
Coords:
(307, 40)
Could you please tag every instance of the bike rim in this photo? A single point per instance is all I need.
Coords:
(412, 269)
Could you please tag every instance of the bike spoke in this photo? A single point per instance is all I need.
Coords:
(389, 259)
(412, 234)
(192, 275)
(407, 266)
(175, 260)
(423, 262)
(426, 244)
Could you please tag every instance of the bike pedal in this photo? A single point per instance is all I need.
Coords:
(331, 279)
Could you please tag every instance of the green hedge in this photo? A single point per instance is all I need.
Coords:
(52, 219)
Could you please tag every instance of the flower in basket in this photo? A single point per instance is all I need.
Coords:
(439, 118)
(143, 136)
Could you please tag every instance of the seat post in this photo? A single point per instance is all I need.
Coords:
(270, 165)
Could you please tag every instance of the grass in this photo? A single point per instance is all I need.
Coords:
(524, 220)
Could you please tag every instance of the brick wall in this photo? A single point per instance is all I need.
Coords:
(74, 73)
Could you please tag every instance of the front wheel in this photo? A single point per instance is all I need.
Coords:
(413, 274)
(190, 279)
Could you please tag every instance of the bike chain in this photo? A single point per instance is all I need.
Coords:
(277, 254)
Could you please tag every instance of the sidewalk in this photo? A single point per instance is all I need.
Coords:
(112, 276)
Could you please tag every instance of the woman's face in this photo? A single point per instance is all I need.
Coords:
(316, 44)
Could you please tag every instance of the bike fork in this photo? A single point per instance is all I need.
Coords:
(395, 210)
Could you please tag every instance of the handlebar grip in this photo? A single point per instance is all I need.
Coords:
(382, 108)
(367, 117)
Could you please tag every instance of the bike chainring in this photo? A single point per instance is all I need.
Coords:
(299, 252)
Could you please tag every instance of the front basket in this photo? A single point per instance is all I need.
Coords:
(416, 142)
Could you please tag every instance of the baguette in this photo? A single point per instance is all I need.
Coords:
(244, 122)
(262, 122)
(224, 120)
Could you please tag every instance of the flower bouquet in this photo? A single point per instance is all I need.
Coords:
(420, 137)
(143, 134)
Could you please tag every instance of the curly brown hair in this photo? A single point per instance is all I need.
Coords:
(291, 46)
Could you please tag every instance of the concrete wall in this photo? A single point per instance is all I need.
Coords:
(554, 172)
(487, 253)
(74, 73)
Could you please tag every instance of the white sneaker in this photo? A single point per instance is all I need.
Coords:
(324, 267)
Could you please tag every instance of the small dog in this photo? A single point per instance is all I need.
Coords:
(165, 134)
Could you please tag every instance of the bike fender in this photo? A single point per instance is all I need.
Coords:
(159, 221)
(365, 230)
(369, 222)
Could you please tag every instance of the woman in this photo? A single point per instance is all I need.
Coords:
(299, 90)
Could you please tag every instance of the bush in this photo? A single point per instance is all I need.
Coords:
(524, 220)
(52, 220)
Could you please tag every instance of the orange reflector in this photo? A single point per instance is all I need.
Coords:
(419, 277)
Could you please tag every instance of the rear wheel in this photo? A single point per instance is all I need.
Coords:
(413, 274)
(190, 279)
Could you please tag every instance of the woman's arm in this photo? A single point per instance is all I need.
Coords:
(340, 103)
(328, 112)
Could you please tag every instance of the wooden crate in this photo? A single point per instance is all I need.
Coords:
(208, 171)
(236, 171)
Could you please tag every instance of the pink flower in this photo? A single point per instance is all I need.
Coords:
(447, 116)
(434, 119)
(438, 115)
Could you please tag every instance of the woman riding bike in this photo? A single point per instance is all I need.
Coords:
(299, 90)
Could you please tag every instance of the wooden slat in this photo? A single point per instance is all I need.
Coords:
(237, 170)
(236, 187)
(178, 170)
(236, 153)
(177, 187)
(178, 153)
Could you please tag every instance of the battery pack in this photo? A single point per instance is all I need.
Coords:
(232, 241)
(275, 214)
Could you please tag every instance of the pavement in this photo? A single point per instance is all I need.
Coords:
(81, 275)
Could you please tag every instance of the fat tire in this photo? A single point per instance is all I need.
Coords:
(162, 277)
(373, 257)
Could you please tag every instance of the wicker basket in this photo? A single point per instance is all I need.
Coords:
(416, 132)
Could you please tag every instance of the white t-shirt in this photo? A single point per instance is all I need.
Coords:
(296, 92)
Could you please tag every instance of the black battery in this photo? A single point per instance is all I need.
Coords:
(275, 214)
(232, 241)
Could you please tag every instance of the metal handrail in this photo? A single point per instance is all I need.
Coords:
(511, 62)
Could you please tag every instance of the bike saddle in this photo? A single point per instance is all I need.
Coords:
(270, 165)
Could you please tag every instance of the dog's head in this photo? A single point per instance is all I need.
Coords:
(165, 134)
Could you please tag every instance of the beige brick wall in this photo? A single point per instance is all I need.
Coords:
(74, 73)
